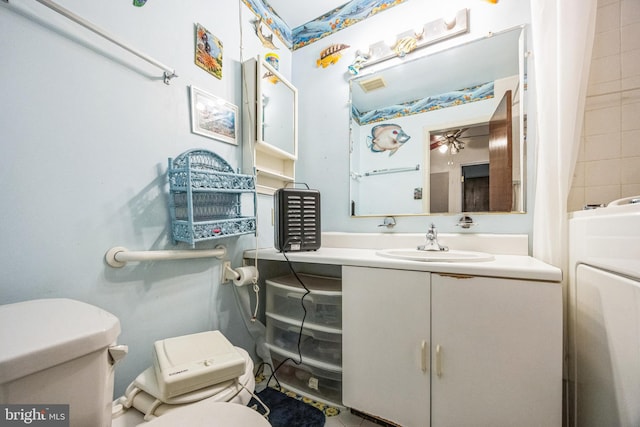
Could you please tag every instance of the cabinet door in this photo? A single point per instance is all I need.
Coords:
(496, 351)
(385, 352)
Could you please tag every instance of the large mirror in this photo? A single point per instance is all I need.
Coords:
(443, 133)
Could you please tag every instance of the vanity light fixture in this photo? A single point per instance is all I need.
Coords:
(408, 41)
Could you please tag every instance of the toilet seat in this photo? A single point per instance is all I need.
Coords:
(140, 395)
(207, 413)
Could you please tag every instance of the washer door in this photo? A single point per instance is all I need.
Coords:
(607, 349)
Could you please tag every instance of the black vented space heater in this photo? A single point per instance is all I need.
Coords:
(297, 219)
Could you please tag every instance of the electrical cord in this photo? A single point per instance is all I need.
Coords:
(267, 411)
(258, 370)
(252, 139)
(304, 316)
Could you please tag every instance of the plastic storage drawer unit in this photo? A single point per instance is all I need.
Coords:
(323, 384)
(323, 304)
(321, 344)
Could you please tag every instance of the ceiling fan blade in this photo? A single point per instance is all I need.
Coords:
(436, 144)
(459, 132)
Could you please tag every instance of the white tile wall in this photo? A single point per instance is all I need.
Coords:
(608, 165)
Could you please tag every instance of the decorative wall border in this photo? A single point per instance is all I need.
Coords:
(339, 18)
(423, 105)
(271, 19)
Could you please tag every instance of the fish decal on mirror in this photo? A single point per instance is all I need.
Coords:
(139, 3)
(331, 55)
(386, 137)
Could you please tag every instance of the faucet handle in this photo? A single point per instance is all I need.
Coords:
(466, 221)
(389, 222)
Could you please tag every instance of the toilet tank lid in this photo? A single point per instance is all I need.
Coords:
(38, 334)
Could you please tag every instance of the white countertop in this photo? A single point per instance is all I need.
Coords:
(508, 266)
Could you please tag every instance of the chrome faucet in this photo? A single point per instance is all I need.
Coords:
(432, 243)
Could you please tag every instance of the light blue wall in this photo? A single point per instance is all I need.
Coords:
(324, 111)
(86, 129)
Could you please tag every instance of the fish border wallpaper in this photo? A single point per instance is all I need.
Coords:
(423, 105)
(271, 19)
(339, 18)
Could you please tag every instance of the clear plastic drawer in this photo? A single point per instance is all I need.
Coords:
(324, 344)
(323, 304)
(319, 383)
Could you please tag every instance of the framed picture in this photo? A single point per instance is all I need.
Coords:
(208, 52)
(213, 117)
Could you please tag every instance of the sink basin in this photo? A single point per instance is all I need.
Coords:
(435, 256)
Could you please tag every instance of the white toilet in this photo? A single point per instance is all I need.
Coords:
(61, 351)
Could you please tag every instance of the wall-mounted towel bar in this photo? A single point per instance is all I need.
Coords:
(118, 256)
(392, 170)
(169, 73)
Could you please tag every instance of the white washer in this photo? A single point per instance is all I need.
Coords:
(604, 252)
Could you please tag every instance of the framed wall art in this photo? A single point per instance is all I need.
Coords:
(208, 52)
(213, 117)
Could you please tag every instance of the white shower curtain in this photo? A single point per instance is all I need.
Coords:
(563, 33)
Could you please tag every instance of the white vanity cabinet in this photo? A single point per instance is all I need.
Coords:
(433, 349)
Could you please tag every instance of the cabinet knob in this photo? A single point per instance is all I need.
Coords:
(424, 351)
(439, 361)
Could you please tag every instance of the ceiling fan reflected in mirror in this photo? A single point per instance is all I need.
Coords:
(450, 140)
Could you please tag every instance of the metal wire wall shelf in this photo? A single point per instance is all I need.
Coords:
(206, 198)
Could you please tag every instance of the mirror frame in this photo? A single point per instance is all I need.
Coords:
(261, 144)
(522, 117)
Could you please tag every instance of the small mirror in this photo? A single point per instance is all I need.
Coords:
(276, 110)
(443, 133)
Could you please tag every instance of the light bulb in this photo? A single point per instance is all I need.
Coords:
(391, 41)
(450, 22)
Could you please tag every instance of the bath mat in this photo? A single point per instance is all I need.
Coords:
(287, 411)
(328, 410)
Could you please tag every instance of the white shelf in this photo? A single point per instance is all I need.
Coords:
(274, 174)
(274, 151)
(273, 171)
